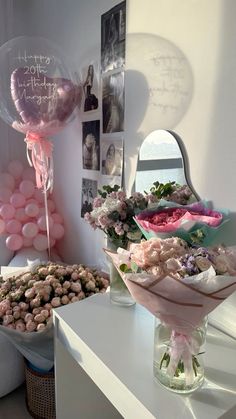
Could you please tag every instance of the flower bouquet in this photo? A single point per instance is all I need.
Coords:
(27, 300)
(179, 285)
(197, 223)
(113, 212)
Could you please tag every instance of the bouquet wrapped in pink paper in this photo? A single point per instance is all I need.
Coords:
(179, 285)
(197, 223)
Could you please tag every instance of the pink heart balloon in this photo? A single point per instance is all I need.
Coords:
(39, 98)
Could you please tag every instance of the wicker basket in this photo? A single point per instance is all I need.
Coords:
(40, 394)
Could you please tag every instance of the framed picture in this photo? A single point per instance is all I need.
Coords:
(113, 28)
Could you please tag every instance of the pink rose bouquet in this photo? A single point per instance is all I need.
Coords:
(180, 285)
(197, 223)
(27, 300)
(113, 211)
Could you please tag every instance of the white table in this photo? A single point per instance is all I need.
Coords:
(104, 356)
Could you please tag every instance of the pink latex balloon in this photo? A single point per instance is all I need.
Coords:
(7, 180)
(39, 196)
(15, 168)
(27, 188)
(40, 242)
(29, 174)
(30, 230)
(31, 201)
(20, 215)
(42, 222)
(52, 242)
(27, 242)
(57, 218)
(41, 211)
(32, 210)
(14, 242)
(51, 205)
(17, 200)
(57, 231)
(13, 227)
(5, 194)
(2, 226)
(7, 211)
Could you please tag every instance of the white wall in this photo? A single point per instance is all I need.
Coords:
(12, 24)
(204, 33)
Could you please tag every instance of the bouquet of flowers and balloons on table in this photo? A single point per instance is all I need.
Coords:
(180, 279)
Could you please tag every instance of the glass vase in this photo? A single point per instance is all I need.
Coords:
(119, 293)
(178, 358)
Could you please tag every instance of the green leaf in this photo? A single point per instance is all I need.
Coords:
(124, 268)
(134, 267)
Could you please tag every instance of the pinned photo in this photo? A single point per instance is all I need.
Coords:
(113, 28)
(89, 192)
(113, 103)
(90, 88)
(112, 157)
(91, 145)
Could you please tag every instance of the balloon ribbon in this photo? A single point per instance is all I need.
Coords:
(41, 159)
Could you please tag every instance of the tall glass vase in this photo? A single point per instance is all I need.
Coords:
(178, 358)
(119, 293)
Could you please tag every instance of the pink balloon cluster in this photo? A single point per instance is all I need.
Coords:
(22, 210)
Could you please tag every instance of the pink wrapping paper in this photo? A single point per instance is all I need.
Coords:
(180, 304)
(186, 221)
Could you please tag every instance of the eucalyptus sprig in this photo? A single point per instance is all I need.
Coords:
(107, 189)
(162, 190)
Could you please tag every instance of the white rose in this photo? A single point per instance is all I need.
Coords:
(203, 263)
(221, 265)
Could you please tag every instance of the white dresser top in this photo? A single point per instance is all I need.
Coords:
(114, 345)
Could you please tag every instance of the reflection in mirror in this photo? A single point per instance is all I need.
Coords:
(162, 158)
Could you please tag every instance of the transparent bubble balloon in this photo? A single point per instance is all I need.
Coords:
(37, 92)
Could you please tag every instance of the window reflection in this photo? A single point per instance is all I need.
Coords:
(160, 158)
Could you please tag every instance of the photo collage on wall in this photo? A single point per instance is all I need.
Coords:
(113, 33)
(102, 109)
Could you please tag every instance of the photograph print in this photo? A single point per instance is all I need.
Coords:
(112, 156)
(89, 192)
(113, 102)
(90, 87)
(91, 145)
(113, 28)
